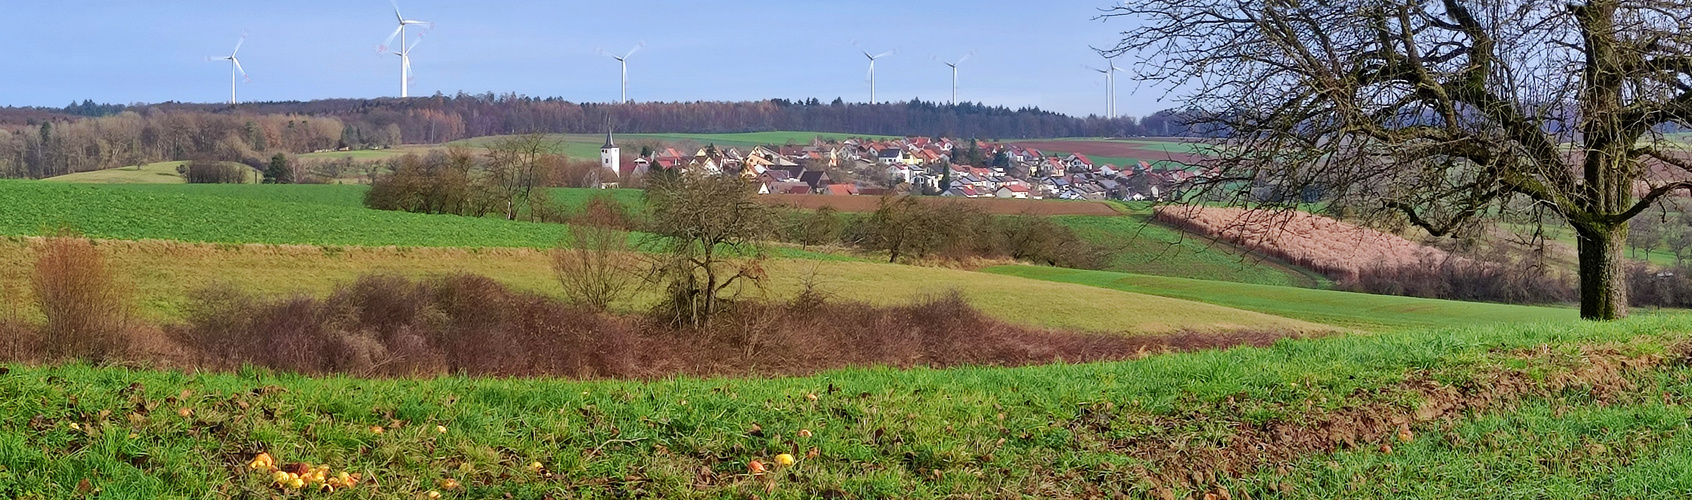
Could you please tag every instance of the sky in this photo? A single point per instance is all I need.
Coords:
(1024, 52)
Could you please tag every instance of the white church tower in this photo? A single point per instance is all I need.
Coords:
(610, 162)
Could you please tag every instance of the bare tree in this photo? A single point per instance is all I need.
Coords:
(515, 165)
(1441, 113)
(708, 228)
(596, 267)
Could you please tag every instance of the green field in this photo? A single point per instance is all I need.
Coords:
(131, 212)
(1345, 309)
(1145, 247)
(1059, 431)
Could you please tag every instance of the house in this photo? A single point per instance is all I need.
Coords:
(899, 174)
(816, 179)
(891, 156)
(841, 189)
(1078, 162)
(1013, 190)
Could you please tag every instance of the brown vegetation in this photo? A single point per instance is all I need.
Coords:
(1337, 249)
(388, 326)
(87, 311)
(861, 204)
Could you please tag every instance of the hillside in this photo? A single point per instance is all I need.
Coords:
(151, 173)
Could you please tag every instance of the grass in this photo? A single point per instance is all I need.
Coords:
(151, 173)
(1147, 247)
(164, 273)
(1344, 309)
(168, 212)
(877, 433)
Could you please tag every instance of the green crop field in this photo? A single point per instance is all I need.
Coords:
(1174, 425)
(125, 212)
(1345, 309)
(1145, 247)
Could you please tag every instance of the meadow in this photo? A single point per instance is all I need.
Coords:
(1553, 410)
(164, 274)
(1331, 307)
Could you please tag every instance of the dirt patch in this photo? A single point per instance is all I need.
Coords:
(1338, 249)
(1186, 462)
(1115, 149)
(858, 204)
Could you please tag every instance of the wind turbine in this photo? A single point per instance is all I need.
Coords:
(236, 72)
(404, 51)
(872, 68)
(1110, 85)
(624, 61)
(954, 66)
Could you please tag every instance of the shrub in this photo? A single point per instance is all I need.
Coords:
(1457, 278)
(212, 172)
(384, 325)
(17, 340)
(87, 312)
(597, 267)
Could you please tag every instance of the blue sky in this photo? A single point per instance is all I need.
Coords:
(1027, 52)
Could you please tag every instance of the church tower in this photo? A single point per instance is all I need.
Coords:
(610, 161)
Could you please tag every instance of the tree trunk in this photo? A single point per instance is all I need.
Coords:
(1603, 283)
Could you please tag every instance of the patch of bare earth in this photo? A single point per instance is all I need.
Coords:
(1338, 249)
(1183, 461)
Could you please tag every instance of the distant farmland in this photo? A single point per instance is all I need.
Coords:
(852, 204)
(1107, 150)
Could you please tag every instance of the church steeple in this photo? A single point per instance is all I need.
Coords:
(608, 143)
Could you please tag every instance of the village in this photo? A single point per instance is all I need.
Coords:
(917, 166)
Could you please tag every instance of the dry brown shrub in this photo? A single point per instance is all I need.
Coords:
(467, 324)
(87, 311)
(1337, 249)
(595, 265)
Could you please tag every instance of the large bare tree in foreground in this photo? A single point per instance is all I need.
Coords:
(1443, 113)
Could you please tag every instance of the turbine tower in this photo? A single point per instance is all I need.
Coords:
(954, 66)
(872, 68)
(624, 61)
(236, 72)
(1110, 85)
(404, 51)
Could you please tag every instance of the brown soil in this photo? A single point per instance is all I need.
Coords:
(1116, 149)
(991, 205)
(1204, 465)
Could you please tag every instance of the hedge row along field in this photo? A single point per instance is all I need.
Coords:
(1563, 410)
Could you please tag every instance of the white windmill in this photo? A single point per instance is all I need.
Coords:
(236, 72)
(624, 61)
(1109, 71)
(872, 68)
(404, 51)
(954, 66)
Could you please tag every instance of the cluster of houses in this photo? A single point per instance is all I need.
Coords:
(922, 165)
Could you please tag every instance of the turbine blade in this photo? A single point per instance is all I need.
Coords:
(867, 55)
(389, 42)
(397, 15)
(964, 58)
(238, 44)
(885, 54)
(240, 69)
(414, 43)
(634, 50)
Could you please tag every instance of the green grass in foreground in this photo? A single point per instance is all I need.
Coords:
(1344, 309)
(879, 433)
